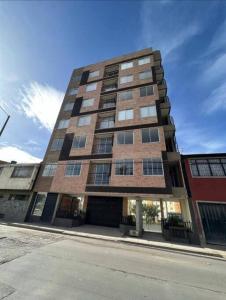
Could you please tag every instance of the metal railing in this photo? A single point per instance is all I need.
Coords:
(108, 88)
(99, 178)
(100, 148)
(111, 73)
(105, 124)
(108, 103)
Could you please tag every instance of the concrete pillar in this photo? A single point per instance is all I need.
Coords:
(56, 207)
(139, 217)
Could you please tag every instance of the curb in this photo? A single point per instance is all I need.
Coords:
(212, 255)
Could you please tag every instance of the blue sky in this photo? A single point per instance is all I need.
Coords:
(42, 42)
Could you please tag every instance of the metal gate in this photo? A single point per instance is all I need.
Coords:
(213, 217)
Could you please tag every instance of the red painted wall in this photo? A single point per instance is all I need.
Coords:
(207, 189)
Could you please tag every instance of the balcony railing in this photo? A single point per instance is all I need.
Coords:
(99, 178)
(111, 73)
(105, 124)
(108, 88)
(108, 103)
(102, 148)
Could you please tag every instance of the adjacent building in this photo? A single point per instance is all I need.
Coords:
(113, 144)
(205, 176)
(16, 183)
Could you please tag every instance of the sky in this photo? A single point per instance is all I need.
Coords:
(42, 42)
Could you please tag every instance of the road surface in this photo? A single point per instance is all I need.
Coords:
(40, 265)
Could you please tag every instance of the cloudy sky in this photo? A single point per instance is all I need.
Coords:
(42, 42)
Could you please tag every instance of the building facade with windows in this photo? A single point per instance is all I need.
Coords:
(16, 183)
(205, 177)
(113, 143)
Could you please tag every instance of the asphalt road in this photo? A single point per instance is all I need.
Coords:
(38, 265)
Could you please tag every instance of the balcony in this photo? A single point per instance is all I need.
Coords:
(103, 145)
(105, 121)
(165, 106)
(157, 58)
(110, 85)
(173, 156)
(108, 101)
(111, 71)
(159, 73)
(162, 87)
(99, 174)
(169, 127)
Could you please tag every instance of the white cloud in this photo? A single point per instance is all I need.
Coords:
(41, 103)
(218, 41)
(10, 153)
(167, 35)
(215, 70)
(216, 100)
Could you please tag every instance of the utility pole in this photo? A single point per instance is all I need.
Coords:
(6, 121)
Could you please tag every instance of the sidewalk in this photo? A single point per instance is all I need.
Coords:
(114, 235)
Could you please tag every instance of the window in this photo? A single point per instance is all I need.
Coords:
(68, 106)
(39, 205)
(57, 144)
(144, 60)
(79, 142)
(146, 91)
(49, 170)
(125, 79)
(91, 87)
(208, 167)
(125, 114)
(124, 167)
(152, 166)
(148, 111)
(94, 74)
(127, 95)
(83, 121)
(18, 197)
(145, 75)
(150, 135)
(63, 124)
(106, 122)
(72, 92)
(77, 77)
(126, 65)
(87, 102)
(73, 169)
(23, 172)
(125, 137)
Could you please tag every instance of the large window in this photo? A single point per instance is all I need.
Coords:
(124, 167)
(23, 172)
(83, 121)
(88, 102)
(147, 90)
(145, 75)
(150, 135)
(152, 166)
(91, 87)
(57, 144)
(125, 114)
(125, 79)
(73, 91)
(63, 124)
(94, 74)
(125, 137)
(68, 106)
(208, 167)
(49, 170)
(148, 111)
(79, 141)
(126, 65)
(73, 169)
(144, 60)
(127, 95)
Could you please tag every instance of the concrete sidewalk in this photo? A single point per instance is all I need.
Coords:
(114, 235)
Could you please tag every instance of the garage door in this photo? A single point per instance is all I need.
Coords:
(105, 211)
(214, 222)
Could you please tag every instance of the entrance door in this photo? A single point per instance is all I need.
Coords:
(105, 211)
(213, 217)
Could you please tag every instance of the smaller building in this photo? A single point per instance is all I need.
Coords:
(16, 183)
(205, 177)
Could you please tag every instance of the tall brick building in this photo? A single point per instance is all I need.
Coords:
(113, 143)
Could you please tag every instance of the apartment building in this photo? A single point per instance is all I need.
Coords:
(113, 142)
(205, 176)
(16, 183)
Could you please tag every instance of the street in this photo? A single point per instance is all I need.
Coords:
(41, 265)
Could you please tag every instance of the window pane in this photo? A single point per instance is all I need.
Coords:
(126, 65)
(24, 172)
(57, 144)
(73, 169)
(125, 137)
(83, 121)
(63, 124)
(152, 166)
(194, 169)
(87, 102)
(146, 91)
(94, 74)
(79, 142)
(39, 205)
(124, 167)
(216, 167)
(49, 170)
(125, 79)
(150, 135)
(203, 167)
(148, 111)
(145, 75)
(127, 95)
(129, 114)
(68, 106)
(125, 114)
(144, 60)
(91, 87)
(72, 92)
